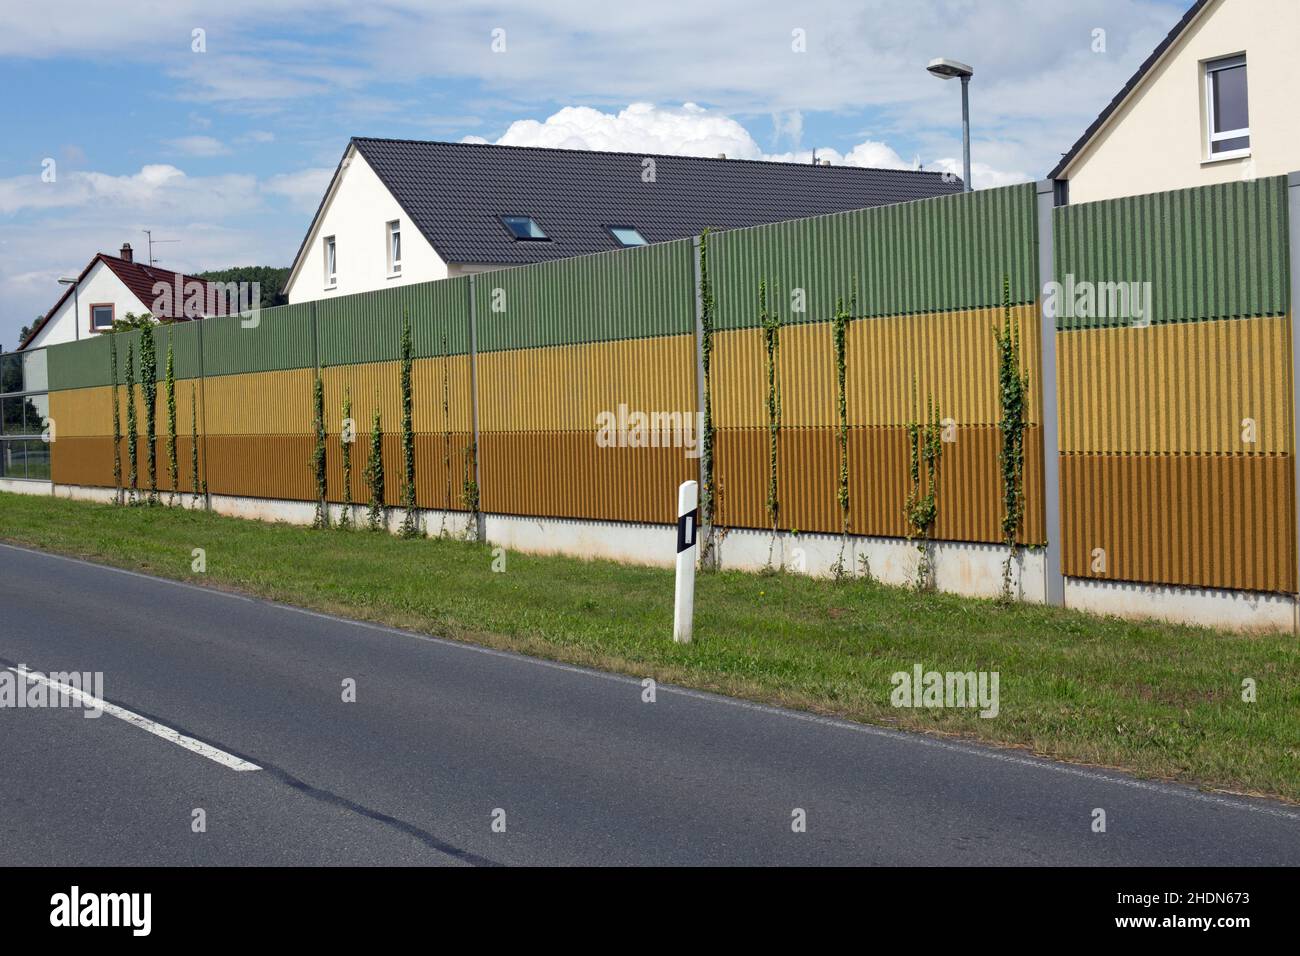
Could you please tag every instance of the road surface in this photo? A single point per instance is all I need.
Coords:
(457, 755)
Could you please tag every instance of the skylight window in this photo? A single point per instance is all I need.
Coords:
(524, 227)
(627, 235)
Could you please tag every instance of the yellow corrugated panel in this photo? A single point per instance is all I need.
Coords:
(1218, 521)
(565, 388)
(375, 384)
(430, 379)
(82, 413)
(952, 355)
(1177, 388)
(260, 403)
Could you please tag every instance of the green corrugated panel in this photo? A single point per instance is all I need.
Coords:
(367, 326)
(281, 339)
(184, 340)
(932, 255)
(79, 364)
(628, 294)
(1213, 252)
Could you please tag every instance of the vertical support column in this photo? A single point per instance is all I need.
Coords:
(706, 532)
(1293, 211)
(480, 532)
(203, 416)
(1054, 581)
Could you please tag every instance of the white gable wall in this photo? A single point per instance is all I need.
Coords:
(100, 286)
(357, 212)
(1156, 141)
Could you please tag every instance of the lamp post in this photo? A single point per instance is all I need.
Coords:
(76, 305)
(946, 69)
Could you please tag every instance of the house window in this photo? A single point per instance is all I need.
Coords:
(524, 227)
(626, 235)
(1226, 107)
(395, 247)
(101, 317)
(331, 264)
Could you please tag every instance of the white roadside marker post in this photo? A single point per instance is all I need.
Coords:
(688, 520)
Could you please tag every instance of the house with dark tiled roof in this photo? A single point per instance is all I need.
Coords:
(401, 211)
(111, 287)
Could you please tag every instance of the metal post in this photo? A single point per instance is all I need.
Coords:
(705, 477)
(1293, 205)
(1054, 581)
(76, 310)
(688, 540)
(965, 130)
(480, 532)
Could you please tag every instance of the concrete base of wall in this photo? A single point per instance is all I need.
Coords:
(974, 570)
(22, 486)
(1248, 611)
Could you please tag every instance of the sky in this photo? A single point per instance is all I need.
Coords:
(218, 125)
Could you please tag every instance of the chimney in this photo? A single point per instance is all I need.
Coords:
(126, 252)
(722, 155)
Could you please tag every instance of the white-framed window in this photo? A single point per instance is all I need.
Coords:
(395, 247)
(1227, 107)
(331, 262)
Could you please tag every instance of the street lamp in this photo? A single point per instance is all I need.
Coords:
(950, 69)
(76, 305)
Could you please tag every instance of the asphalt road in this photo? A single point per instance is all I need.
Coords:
(444, 739)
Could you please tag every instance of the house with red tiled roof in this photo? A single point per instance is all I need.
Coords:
(111, 287)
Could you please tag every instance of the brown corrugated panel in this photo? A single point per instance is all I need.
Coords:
(970, 484)
(438, 458)
(82, 412)
(82, 460)
(262, 466)
(260, 403)
(1197, 520)
(89, 461)
(378, 384)
(566, 474)
(950, 355)
(565, 388)
(1177, 388)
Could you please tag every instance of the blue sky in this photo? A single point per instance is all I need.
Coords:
(228, 149)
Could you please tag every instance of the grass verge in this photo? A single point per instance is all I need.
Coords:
(1160, 700)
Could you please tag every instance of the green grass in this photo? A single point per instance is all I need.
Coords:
(1157, 699)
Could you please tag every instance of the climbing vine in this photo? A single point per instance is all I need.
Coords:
(194, 443)
(322, 519)
(131, 447)
(149, 392)
(347, 434)
(410, 520)
(1013, 387)
(117, 424)
(925, 448)
(469, 490)
(170, 384)
(771, 325)
(376, 516)
(708, 481)
(839, 336)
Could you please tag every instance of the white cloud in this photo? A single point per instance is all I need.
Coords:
(691, 130)
(303, 188)
(198, 146)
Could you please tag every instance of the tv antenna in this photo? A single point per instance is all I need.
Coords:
(149, 233)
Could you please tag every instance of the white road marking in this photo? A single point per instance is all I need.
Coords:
(144, 723)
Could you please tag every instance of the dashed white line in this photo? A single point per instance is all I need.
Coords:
(92, 702)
